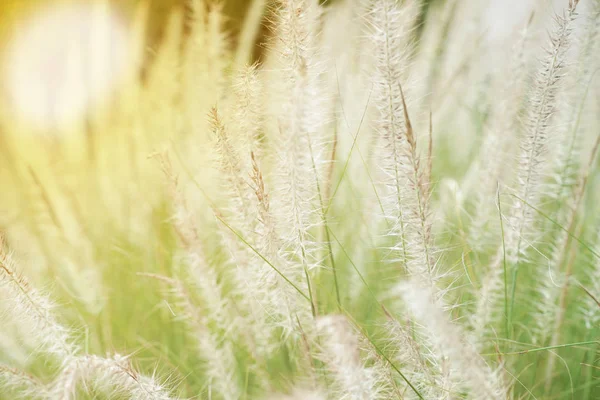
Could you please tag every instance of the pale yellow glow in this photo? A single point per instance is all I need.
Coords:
(63, 61)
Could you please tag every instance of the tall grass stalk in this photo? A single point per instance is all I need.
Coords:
(365, 207)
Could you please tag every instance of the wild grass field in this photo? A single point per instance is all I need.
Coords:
(393, 202)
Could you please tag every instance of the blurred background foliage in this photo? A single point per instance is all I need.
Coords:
(12, 12)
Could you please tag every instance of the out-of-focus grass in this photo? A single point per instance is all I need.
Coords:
(90, 219)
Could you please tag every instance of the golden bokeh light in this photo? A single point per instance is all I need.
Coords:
(63, 61)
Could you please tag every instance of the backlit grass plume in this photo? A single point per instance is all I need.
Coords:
(355, 199)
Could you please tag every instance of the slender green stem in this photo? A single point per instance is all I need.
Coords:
(356, 268)
(265, 260)
(543, 214)
(324, 219)
(507, 317)
(528, 351)
(386, 358)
